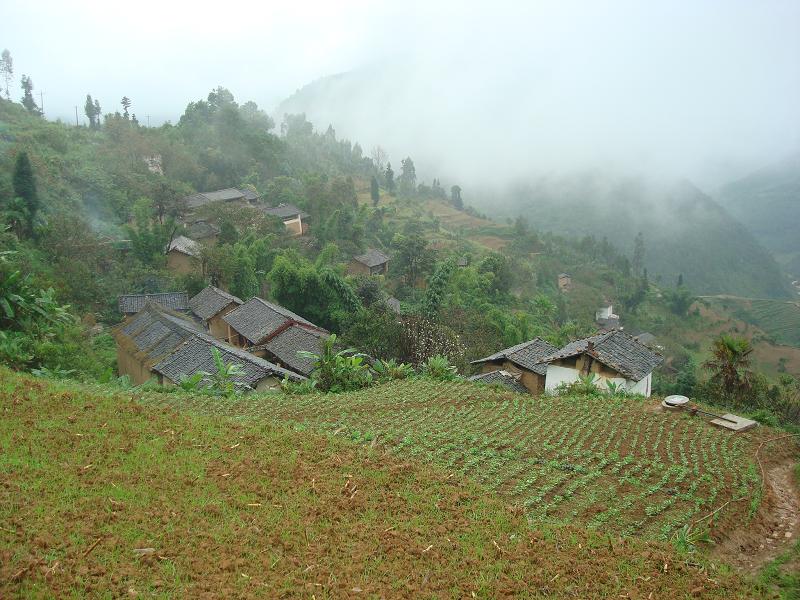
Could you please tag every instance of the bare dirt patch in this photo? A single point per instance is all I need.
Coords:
(776, 526)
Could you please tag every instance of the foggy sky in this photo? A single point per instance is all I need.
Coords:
(496, 89)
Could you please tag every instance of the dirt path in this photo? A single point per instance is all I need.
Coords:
(757, 543)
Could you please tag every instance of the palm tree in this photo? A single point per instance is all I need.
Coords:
(730, 364)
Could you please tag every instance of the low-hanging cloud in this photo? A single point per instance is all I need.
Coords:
(479, 92)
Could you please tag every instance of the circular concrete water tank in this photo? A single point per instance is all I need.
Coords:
(676, 400)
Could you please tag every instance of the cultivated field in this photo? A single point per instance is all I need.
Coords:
(102, 497)
(619, 465)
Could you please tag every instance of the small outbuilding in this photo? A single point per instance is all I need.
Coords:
(501, 377)
(210, 305)
(293, 218)
(372, 262)
(523, 360)
(183, 255)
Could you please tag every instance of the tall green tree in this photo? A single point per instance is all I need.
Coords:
(244, 282)
(25, 188)
(455, 197)
(374, 191)
(92, 111)
(389, 176)
(408, 176)
(413, 258)
(7, 70)
(638, 254)
(27, 96)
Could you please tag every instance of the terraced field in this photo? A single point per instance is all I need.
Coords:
(613, 464)
(779, 318)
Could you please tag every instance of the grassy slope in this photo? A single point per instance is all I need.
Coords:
(248, 508)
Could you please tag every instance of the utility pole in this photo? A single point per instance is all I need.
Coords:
(148, 121)
(76, 116)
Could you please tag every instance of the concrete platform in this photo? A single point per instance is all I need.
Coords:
(735, 423)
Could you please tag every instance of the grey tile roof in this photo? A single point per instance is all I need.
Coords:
(501, 377)
(614, 349)
(285, 345)
(184, 245)
(226, 195)
(529, 355)
(210, 300)
(133, 303)
(285, 211)
(256, 319)
(202, 229)
(154, 331)
(195, 355)
(372, 258)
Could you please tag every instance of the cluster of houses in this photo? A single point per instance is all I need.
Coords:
(171, 337)
(536, 366)
(184, 252)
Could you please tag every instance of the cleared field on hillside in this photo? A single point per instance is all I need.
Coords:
(104, 498)
(613, 464)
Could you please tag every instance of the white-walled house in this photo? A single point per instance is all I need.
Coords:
(605, 312)
(612, 356)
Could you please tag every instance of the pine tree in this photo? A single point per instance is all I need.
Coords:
(27, 95)
(25, 188)
(89, 109)
(97, 112)
(374, 191)
(680, 280)
(126, 104)
(7, 69)
(389, 178)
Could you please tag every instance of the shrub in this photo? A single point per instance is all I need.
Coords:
(338, 371)
(390, 369)
(439, 368)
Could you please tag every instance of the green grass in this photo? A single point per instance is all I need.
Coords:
(247, 508)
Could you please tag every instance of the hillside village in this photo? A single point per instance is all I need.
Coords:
(300, 335)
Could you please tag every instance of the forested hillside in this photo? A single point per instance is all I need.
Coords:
(466, 285)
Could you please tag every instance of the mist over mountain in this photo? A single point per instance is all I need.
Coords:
(686, 232)
(768, 203)
(559, 183)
